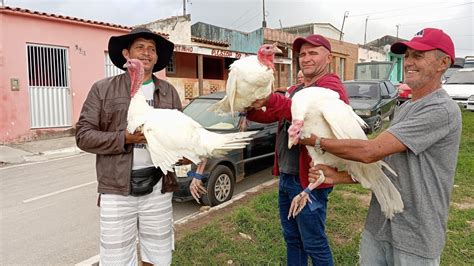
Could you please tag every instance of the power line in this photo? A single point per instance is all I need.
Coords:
(241, 16)
(249, 20)
(432, 21)
(412, 7)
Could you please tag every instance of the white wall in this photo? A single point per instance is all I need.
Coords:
(367, 55)
(178, 28)
(326, 31)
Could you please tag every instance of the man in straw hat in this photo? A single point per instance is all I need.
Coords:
(421, 145)
(132, 199)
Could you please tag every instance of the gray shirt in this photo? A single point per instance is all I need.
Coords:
(430, 128)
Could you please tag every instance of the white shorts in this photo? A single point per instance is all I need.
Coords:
(118, 228)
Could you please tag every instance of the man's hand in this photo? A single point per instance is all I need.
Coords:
(308, 141)
(281, 90)
(258, 104)
(184, 161)
(332, 175)
(136, 137)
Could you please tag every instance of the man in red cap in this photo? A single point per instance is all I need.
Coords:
(305, 234)
(421, 145)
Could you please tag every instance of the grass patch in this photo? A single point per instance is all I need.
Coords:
(219, 242)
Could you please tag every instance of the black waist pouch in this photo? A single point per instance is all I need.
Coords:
(143, 180)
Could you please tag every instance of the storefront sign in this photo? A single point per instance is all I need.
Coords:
(208, 51)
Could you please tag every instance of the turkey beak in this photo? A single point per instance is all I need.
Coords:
(277, 50)
(290, 143)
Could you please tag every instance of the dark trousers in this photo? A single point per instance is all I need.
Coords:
(304, 235)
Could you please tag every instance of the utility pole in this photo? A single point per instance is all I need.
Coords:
(3, 3)
(264, 22)
(346, 14)
(398, 26)
(365, 32)
(184, 7)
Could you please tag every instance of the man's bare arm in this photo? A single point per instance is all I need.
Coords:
(366, 151)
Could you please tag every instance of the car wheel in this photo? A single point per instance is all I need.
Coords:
(377, 125)
(220, 186)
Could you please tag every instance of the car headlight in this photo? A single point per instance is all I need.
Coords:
(471, 98)
(362, 112)
(182, 170)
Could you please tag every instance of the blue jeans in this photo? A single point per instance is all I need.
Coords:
(374, 253)
(304, 235)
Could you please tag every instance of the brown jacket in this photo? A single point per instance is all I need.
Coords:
(102, 124)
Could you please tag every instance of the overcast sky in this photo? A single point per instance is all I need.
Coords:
(456, 17)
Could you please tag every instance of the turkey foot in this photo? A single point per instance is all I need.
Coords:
(196, 187)
(300, 200)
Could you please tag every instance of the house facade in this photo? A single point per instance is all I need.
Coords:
(345, 54)
(48, 64)
(384, 43)
(199, 65)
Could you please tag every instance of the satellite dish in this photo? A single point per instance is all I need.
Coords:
(386, 48)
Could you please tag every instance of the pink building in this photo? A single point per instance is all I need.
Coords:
(48, 64)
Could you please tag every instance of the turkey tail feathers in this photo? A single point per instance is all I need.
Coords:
(372, 177)
(234, 141)
(386, 166)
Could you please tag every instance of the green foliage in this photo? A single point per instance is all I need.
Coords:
(219, 243)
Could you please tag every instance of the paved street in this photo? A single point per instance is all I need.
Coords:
(49, 215)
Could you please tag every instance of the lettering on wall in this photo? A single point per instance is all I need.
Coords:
(183, 48)
(80, 50)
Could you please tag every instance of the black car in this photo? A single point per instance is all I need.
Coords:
(372, 101)
(223, 172)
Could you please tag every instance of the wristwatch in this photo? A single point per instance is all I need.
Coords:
(317, 145)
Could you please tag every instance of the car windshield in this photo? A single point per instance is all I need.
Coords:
(469, 64)
(197, 110)
(362, 90)
(461, 77)
(373, 71)
(449, 72)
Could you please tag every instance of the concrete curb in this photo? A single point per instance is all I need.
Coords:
(42, 156)
(200, 214)
(94, 261)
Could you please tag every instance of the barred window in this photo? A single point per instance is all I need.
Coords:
(110, 68)
(171, 68)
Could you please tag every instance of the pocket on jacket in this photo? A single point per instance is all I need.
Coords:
(165, 103)
(114, 116)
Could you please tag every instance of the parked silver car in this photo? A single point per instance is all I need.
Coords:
(460, 85)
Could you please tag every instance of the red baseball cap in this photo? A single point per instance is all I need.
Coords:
(315, 39)
(426, 40)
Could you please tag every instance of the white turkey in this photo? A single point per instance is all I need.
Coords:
(319, 111)
(250, 78)
(172, 135)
